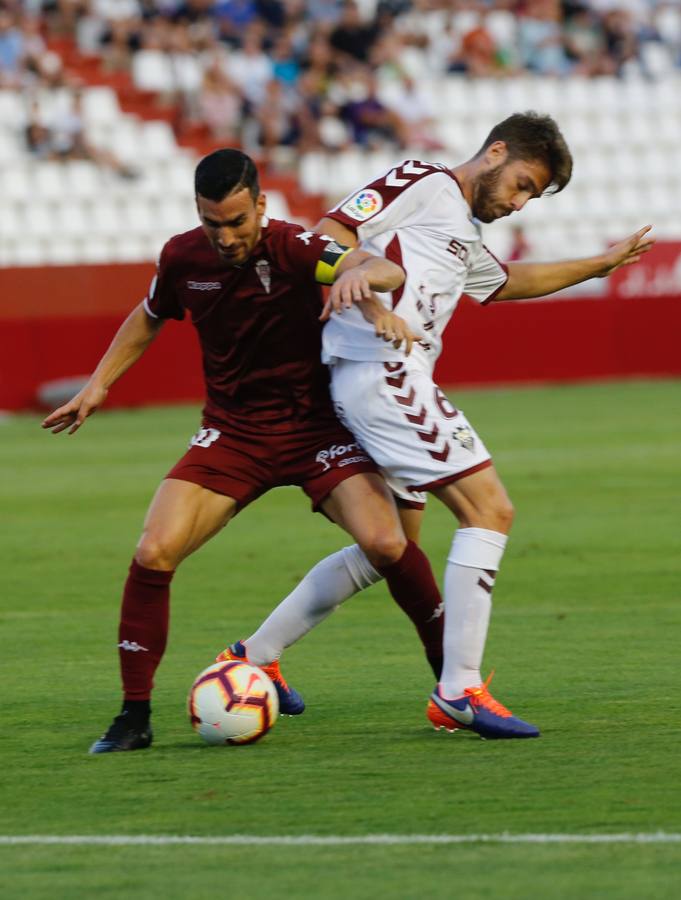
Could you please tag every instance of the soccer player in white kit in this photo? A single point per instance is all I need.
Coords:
(426, 217)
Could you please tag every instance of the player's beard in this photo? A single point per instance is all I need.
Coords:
(486, 204)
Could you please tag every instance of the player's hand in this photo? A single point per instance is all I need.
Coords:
(72, 414)
(393, 328)
(349, 288)
(388, 325)
(627, 252)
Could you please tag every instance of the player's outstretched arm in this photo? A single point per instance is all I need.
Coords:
(538, 279)
(130, 342)
(358, 275)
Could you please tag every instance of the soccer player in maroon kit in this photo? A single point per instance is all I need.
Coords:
(251, 288)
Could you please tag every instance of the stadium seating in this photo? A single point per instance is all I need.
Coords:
(624, 135)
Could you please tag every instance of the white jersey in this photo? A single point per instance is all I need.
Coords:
(416, 216)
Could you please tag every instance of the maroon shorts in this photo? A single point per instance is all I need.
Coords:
(244, 465)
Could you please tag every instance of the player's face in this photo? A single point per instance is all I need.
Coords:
(232, 225)
(505, 186)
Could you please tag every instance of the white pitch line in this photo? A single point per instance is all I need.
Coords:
(307, 840)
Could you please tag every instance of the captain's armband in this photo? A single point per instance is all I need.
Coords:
(327, 265)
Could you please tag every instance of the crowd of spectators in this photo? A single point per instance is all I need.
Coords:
(332, 73)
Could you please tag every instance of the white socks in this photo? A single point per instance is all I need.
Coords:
(471, 569)
(323, 589)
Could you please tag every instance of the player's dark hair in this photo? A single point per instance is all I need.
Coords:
(224, 172)
(531, 136)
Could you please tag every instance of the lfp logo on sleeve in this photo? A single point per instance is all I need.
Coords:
(363, 205)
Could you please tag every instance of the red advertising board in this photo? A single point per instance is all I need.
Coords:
(56, 322)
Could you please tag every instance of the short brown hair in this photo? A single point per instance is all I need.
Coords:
(531, 136)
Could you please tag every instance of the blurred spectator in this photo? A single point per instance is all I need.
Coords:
(352, 37)
(277, 120)
(303, 73)
(251, 68)
(67, 139)
(621, 38)
(285, 66)
(11, 50)
(371, 122)
(585, 41)
(37, 134)
(541, 38)
(414, 106)
(220, 103)
(119, 42)
(234, 17)
(478, 55)
(520, 246)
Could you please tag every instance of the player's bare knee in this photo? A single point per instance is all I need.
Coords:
(501, 516)
(385, 548)
(154, 553)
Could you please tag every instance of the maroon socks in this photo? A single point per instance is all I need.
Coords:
(414, 589)
(143, 630)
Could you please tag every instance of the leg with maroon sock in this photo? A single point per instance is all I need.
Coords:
(364, 506)
(181, 518)
(339, 577)
(143, 631)
(412, 585)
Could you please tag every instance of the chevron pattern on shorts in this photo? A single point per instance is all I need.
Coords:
(396, 381)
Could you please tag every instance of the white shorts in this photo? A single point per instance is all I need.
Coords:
(407, 425)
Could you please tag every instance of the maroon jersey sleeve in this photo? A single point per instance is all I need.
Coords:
(162, 301)
(310, 255)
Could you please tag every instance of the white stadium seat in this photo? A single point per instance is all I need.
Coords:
(97, 249)
(277, 207)
(71, 219)
(158, 141)
(83, 179)
(100, 106)
(624, 134)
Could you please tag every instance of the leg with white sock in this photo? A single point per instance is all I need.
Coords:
(471, 569)
(462, 699)
(364, 507)
(332, 581)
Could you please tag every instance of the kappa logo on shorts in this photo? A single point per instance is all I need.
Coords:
(465, 437)
(326, 457)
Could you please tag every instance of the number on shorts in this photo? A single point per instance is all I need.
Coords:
(443, 404)
(204, 437)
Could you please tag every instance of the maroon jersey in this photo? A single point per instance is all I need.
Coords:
(258, 323)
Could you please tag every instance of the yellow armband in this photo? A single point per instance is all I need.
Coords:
(327, 265)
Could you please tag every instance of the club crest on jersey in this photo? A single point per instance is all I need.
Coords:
(363, 205)
(465, 437)
(262, 270)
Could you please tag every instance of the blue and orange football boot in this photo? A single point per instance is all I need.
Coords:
(290, 701)
(477, 710)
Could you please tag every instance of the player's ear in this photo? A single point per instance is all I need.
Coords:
(260, 204)
(496, 153)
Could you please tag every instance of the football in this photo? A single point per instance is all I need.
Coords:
(232, 703)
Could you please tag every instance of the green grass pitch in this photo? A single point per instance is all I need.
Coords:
(585, 639)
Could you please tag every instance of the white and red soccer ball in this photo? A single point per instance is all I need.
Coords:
(232, 702)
